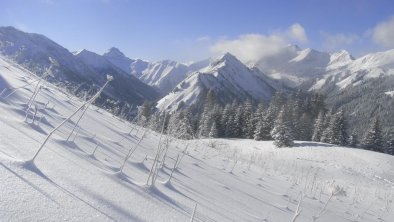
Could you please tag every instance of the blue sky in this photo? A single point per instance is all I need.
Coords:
(188, 30)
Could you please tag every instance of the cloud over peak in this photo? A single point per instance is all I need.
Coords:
(383, 33)
(253, 47)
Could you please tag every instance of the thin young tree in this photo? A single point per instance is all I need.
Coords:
(109, 79)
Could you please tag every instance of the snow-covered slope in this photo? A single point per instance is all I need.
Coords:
(228, 179)
(227, 77)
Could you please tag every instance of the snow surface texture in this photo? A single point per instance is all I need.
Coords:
(228, 77)
(229, 179)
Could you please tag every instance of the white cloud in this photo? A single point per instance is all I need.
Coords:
(383, 33)
(297, 32)
(253, 47)
(338, 41)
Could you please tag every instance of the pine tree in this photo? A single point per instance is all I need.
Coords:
(263, 129)
(318, 127)
(246, 119)
(353, 140)
(390, 146)
(213, 132)
(237, 123)
(373, 138)
(281, 132)
(254, 119)
(305, 127)
(336, 130)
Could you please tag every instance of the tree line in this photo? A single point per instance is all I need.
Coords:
(298, 116)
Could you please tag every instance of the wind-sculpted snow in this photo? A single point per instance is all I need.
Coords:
(229, 179)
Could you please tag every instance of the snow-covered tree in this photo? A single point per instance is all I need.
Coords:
(336, 133)
(305, 127)
(263, 129)
(318, 127)
(214, 131)
(282, 132)
(390, 146)
(373, 138)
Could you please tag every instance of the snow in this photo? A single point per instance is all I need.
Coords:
(229, 179)
(346, 71)
(390, 93)
(116, 57)
(228, 77)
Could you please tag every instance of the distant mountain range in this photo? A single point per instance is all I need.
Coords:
(361, 86)
(83, 70)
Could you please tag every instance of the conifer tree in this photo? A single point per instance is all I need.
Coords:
(336, 130)
(373, 138)
(281, 133)
(318, 127)
(263, 129)
(213, 132)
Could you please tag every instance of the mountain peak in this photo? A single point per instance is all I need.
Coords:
(114, 53)
(225, 58)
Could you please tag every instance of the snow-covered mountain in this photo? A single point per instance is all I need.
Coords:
(85, 69)
(228, 77)
(294, 65)
(33, 50)
(351, 72)
(116, 57)
(164, 75)
(124, 85)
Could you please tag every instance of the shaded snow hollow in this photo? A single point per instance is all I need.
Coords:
(229, 179)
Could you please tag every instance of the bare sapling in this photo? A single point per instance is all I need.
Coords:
(298, 210)
(194, 212)
(109, 79)
(334, 190)
(152, 170)
(173, 169)
(35, 114)
(37, 89)
(2, 92)
(182, 155)
(33, 100)
(16, 89)
(96, 148)
(132, 150)
(76, 123)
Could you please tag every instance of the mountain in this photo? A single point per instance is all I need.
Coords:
(33, 52)
(116, 57)
(164, 75)
(360, 87)
(294, 65)
(229, 78)
(124, 86)
(83, 71)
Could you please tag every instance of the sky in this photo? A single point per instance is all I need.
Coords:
(190, 30)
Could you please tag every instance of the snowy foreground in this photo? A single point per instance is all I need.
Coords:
(230, 180)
